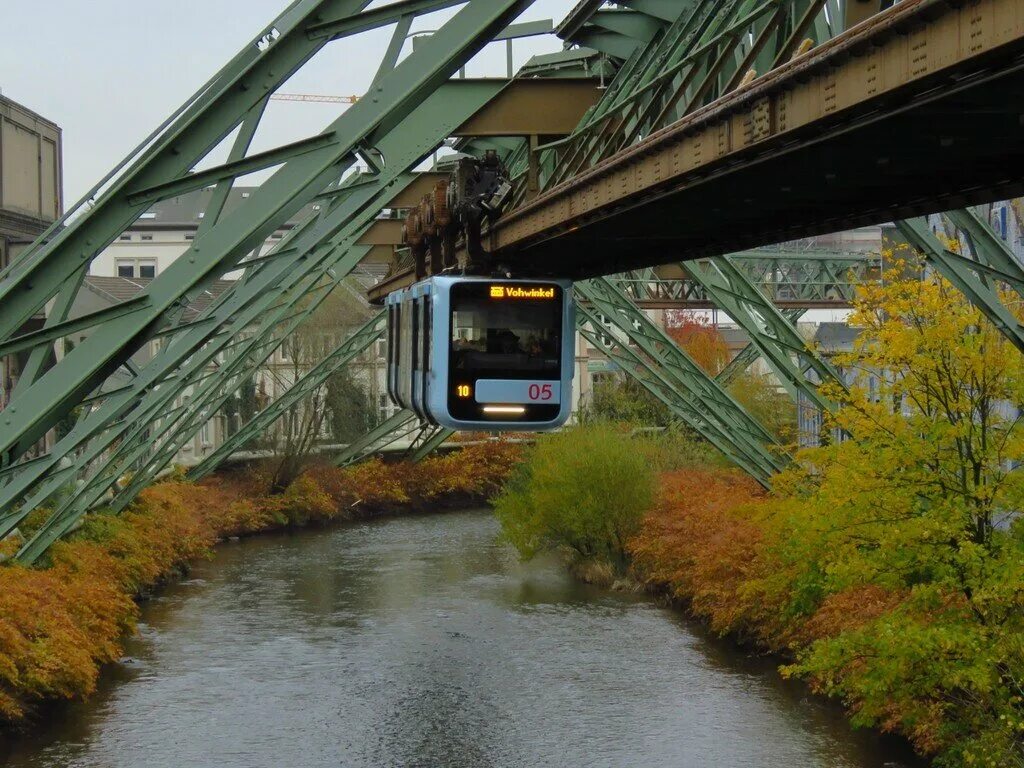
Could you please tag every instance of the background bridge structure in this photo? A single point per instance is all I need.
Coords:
(656, 158)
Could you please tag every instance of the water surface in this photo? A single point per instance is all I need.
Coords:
(424, 642)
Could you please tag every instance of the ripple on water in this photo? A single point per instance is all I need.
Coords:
(425, 642)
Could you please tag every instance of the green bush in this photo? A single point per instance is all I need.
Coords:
(583, 491)
(679, 448)
(626, 401)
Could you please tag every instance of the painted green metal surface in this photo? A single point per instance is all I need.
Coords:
(354, 346)
(643, 350)
(671, 57)
(775, 337)
(412, 107)
(787, 278)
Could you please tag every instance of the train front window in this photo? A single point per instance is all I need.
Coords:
(506, 331)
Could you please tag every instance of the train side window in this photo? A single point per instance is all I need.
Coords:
(416, 334)
(426, 333)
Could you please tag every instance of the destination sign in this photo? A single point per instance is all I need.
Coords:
(534, 293)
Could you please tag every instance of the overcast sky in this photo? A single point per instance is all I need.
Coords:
(110, 71)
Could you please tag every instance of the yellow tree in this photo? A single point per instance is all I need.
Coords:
(922, 501)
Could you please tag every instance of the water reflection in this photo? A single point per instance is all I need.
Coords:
(423, 642)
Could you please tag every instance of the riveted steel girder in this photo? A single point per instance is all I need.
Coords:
(750, 354)
(789, 279)
(979, 274)
(402, 425)
(123, 419)
(297, 182)
(769, 330)
(309, 383)
(675, 188)
(310, 254)
(681, 383)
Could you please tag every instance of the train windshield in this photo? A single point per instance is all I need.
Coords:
(507, 331)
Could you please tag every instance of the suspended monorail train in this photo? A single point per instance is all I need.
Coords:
(472, 353)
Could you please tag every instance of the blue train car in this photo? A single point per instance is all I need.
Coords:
(471, 353)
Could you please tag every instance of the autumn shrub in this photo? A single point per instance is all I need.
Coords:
(582, 491)
(699, 546)
(888, 567)
(60, 624)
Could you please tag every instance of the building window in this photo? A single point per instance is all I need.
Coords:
(148, 215)
(145, 268)
(126, 237)
(147, 238)
(190, 238)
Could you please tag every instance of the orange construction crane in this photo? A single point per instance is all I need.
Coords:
(314, 98)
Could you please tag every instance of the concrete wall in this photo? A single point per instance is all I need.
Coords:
(31, 197)
(30, 169)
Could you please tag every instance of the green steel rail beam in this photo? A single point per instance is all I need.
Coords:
(769, 330)
(438, 112)
(668, 391)
(791, 279)
(435, 127)
(309, 383)
(977, 278)
(209, 116)
(750, 354)
(439, 437)
(309, 246)
(296, 182)
(402, 424)
(709, 408)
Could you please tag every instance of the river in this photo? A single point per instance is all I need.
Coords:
(425, 642)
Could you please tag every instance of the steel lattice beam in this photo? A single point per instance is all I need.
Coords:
(125, 416)
(309, 383)
(769, 330)
(302, 177)
(666, 370)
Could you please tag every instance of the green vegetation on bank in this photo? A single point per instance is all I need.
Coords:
(886, 569)
(61, 622)
(584, 491)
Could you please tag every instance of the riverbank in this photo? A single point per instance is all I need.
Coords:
(59, 625)
(904, 659)
(863, 591)
(423, 640)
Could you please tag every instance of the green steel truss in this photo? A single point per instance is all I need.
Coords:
(613, 323)
(676, 57)
(664, 58)
(305, 170)
(309, 383)
(771, 332)
(132, 428)
(788, 278)
(985, 265)
(420, 439)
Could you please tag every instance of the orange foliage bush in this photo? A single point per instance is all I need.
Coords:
(705, 544)
(61, 624)
(701, 340)
(699, 546)
(850, 609)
